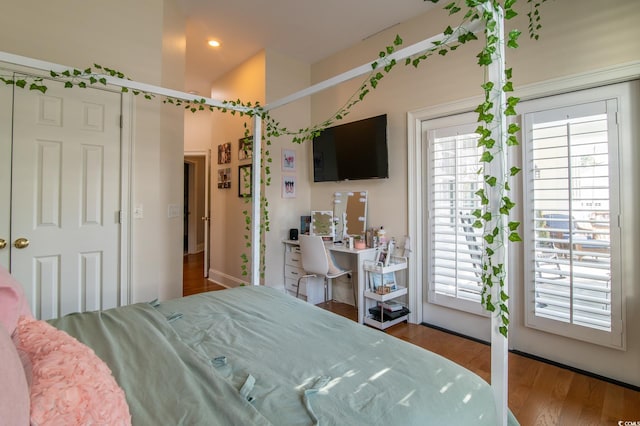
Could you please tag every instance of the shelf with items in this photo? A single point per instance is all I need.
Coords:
(382, 289)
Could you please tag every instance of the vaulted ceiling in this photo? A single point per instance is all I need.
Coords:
(307, 30)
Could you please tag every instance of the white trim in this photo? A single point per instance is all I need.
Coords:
(256, 194)
(126, 183)
(224, 279)
(622, 95)
(415, 273)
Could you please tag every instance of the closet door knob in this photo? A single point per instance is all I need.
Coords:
(21, 243)
(3, 243)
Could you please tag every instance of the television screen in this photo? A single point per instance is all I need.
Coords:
(352, 151)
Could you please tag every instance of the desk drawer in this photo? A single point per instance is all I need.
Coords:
(292, 285)
(293, 258)
(292, 272)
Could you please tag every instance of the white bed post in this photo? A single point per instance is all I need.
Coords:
(256, 217)
(499, 343)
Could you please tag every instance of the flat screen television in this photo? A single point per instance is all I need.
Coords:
(352, 151)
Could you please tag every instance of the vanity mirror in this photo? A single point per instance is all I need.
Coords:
(350, 214)
(322, 224)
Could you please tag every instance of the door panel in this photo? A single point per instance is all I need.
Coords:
(66, 198)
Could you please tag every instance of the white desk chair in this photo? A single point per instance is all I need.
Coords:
(316, 263)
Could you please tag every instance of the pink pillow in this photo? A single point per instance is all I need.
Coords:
(13, 303)
(14, 394)
(70, 384)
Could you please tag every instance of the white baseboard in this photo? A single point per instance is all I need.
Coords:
(225, 280)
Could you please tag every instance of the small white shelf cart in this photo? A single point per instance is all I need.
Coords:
(373, 297)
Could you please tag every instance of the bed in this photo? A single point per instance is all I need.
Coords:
(255, 356)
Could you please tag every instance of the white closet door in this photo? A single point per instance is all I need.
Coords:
(65, 198)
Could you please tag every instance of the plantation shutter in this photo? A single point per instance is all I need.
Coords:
(570, 157)
(455, 255)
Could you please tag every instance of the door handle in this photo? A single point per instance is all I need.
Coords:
(3, 243)
(21, 243)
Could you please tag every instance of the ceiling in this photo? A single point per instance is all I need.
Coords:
(306, 30)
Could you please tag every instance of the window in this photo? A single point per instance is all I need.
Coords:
(571, 219)
(454, 256)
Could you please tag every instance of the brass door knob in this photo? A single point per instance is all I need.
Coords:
(21, 243)
(3, 243)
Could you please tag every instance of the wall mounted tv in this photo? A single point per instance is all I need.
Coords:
(351, 151)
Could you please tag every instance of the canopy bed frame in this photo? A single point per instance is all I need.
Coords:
(496, 74)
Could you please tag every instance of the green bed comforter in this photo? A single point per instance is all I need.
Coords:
(253, 356)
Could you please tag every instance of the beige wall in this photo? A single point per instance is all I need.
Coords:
(267, 76)
(227, 227)
(144, 40)
(284, 77)
(578, 36)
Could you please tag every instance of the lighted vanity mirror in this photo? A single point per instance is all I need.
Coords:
(322, 224)
(350, 213)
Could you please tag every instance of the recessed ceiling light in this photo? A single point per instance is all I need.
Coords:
(214, 43)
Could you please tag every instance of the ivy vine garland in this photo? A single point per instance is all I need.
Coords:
(493, 271)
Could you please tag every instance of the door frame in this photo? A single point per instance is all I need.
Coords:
(206, 154)
(127, 112)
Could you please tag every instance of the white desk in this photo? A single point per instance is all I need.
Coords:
(349, 259)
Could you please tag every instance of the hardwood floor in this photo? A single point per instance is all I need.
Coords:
(539, 393)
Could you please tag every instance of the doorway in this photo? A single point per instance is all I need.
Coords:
(196, 206)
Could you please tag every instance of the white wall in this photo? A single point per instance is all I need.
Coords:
(144, 40)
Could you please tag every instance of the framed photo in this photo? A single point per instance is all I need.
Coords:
(245, 148)
(288, 160)
(224, 178)
(244, 181)
(288, 187)
(224, 153)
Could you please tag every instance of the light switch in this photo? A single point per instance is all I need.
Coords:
(173, 210)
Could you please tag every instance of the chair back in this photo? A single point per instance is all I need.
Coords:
(314, 254)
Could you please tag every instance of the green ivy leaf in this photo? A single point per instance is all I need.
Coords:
(512, 41)
(514, 171)
(508, 73)
(486, 157)
(514, 237)
(510, 14)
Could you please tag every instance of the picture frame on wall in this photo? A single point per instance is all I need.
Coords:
(244, 181)
(288, 160)
(224, 178)
(288, 186)
(224, 153)
(245, 148)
